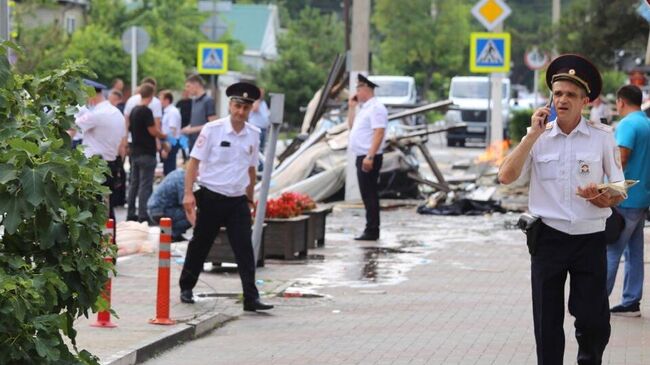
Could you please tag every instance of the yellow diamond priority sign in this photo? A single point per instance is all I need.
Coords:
(491, 12)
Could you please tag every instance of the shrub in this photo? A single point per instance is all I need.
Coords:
(519, 121)
(52, 249)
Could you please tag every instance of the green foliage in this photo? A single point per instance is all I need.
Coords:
(162, 64)
(173, 25)
(306, 50)
(421, 37)
(44, 45)
(612, 80)
(102, 51)
(52, 266)
(519, 121)
(595, 28)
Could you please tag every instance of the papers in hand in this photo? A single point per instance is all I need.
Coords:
(617, 188)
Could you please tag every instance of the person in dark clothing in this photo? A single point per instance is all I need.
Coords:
(144, 132)
(185, 107)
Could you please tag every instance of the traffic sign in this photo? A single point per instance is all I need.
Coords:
(141, 40)
(536, 59)
(212, 58)
(214, 28)
(491, 12)
(489, 52)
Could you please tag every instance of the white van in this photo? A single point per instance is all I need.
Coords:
(395, 90)
(470, 95)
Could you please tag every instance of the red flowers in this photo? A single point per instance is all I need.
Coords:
(289, 205)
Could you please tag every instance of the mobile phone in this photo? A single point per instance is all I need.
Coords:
(552, 107)
(355, 98)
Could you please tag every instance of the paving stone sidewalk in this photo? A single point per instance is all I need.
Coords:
(433, 290)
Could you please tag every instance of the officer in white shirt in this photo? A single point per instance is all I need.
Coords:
(171, 126)
(104, 129)
(367, 140)
(225, 158)
(566, 158)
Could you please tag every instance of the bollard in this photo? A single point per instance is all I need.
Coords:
(104, 317)
(164, 258)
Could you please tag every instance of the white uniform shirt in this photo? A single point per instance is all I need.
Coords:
(104, 129)
(171, 119)
(560, 163)
(600, 111)
(226, 156)
(370, 115)
(154, 105)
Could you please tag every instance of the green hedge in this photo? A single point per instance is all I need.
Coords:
(519, 121)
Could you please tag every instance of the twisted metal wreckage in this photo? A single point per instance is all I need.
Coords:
(315, 161)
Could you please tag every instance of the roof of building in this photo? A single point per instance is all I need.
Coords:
(248, 23)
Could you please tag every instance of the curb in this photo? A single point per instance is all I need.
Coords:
(165, 341)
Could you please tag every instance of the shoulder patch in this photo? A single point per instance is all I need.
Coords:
(600, 126)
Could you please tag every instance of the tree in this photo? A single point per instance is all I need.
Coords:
(306, 51)
(52, 266)
(596, 28)
(102, 50)
(174, 25)
(43, 48)
(423, 38)
(164, 66)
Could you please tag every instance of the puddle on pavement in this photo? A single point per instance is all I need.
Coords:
(382, 263)
(361, 266)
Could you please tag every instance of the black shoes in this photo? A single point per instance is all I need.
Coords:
(186, 296)
(256, 305)
(632, 310)
(365, 236)
(178, 238)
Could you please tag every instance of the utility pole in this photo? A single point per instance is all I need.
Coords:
(496, 109)
(346, 20)
(4, 20)
(555, 21)
(359, 52)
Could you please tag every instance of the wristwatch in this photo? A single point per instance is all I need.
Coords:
(370, 158)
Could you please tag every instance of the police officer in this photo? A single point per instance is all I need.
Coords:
(566, 158)
(367, 140)
(225, 157)
(104, 128)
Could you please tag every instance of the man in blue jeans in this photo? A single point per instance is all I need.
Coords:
(633, 139)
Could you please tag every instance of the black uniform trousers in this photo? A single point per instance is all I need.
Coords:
(214, 211)
(368, 186)
(584, 258)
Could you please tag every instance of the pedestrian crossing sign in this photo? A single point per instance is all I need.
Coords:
(489, 52)
(212, 58)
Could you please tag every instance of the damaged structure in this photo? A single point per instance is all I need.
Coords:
(315, 161)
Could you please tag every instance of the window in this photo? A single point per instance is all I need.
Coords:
(70, 24)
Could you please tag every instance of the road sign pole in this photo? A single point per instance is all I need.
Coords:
(497, 106)
(134, 61)
(535, 86)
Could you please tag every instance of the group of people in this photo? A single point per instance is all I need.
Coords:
(223, 159)
(565, 159)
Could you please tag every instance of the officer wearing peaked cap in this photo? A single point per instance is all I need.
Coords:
(224, 161)
(367, 139)
(565, 159)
